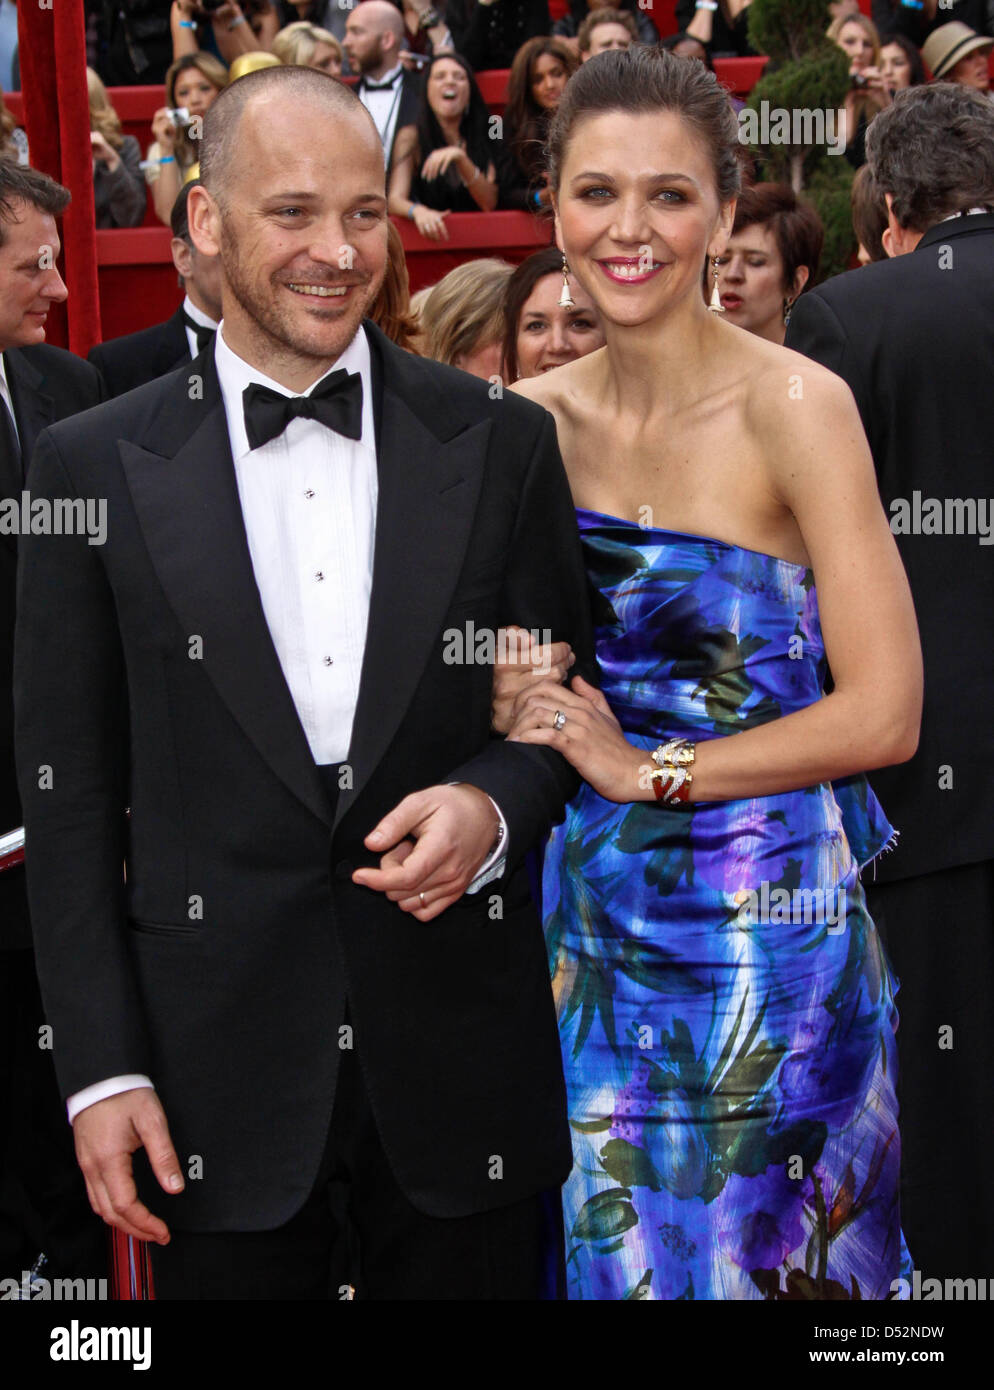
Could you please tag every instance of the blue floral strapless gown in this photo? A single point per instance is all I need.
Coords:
(725, 1006)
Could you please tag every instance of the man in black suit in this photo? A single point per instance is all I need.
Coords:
(130, 361)
(914, 339)
(374, 40)
(275, 663)
(42, 1202)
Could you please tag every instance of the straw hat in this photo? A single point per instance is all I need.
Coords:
(251, 62)
(946, 45)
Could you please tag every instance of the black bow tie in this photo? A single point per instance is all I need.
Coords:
(204, 335)
(380, 86)
(336, 403)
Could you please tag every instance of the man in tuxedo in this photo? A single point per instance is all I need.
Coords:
(374, 40)
(324, 958)
(42, 1202)
(914, 339)
(127, 362)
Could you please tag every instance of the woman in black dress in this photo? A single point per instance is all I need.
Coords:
(444, 163)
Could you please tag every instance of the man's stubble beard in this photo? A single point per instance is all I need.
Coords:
(275, 333)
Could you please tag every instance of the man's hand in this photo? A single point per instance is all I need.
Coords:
(106, 1135)
(521, 665)
(435, 842)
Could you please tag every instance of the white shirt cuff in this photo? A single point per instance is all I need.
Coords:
(103, 1090)
(494, 864)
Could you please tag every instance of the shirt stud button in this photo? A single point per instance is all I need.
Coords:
(319, 575)
(328, 661)
(309, 493)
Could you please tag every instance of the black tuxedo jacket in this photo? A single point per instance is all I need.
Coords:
(137, 358)
(914, 339)
(46, 384)
(146, 678)
(409, 105)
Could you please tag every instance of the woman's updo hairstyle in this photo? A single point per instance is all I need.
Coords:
(640, 80)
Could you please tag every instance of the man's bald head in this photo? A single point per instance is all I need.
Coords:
(384, 18)
(288, 86)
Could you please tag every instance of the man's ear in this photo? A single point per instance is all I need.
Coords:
(204, 220)
(182, 257)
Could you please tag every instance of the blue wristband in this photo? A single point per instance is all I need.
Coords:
(410, 211)
(537, 197)
(913, 4)
(168, 159)
(187, 24)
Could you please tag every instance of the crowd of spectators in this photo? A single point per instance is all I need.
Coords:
(415, 64)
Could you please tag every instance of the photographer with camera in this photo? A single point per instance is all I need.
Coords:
(222, 27)
(868, 91)
(192, 84)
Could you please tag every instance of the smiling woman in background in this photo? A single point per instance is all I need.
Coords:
(192, 84)
(539, 332)
(772, 256)
(444, 163)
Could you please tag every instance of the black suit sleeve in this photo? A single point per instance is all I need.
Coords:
(71, 741)
(545, 588)
(815, 330)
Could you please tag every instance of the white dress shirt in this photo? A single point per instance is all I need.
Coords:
(198, 316)
(308, 500)
(384, 106)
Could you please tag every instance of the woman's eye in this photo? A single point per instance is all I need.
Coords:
(671, 195)
(536, 325)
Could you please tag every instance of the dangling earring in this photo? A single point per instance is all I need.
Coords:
(566, 300)
(788, 304)
(716, 305)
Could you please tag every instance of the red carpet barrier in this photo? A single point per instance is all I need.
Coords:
(138, 285)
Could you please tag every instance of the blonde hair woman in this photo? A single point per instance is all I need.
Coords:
(192, 84)
(868, 92)
(462, 319)
(118, 186)
(306, 45)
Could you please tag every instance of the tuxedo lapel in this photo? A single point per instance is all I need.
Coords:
(429, 484)
(186, 497)
(34, 408)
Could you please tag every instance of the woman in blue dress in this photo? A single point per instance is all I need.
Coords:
(726, 1010)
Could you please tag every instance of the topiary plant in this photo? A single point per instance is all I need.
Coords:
(806, 79)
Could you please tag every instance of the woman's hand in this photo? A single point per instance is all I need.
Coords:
(103, 152)
(164, 130)
(439, 160)
(591, 738)
(876, 88)
(430, 222)
(520, 666)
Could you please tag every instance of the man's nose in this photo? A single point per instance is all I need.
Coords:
(54, 287)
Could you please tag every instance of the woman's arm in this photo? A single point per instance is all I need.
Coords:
(125, 187)
(821, 469)
(183, 27)
(164, 177)
(429, 222)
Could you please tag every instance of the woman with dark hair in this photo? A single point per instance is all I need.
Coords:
(539, 332)
(726, 1010)
(900, 63)
(684, 45)
(444, 163)
(192, 83)
(772, 257)
(569, 26)
(869, 218)
(538, 78)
